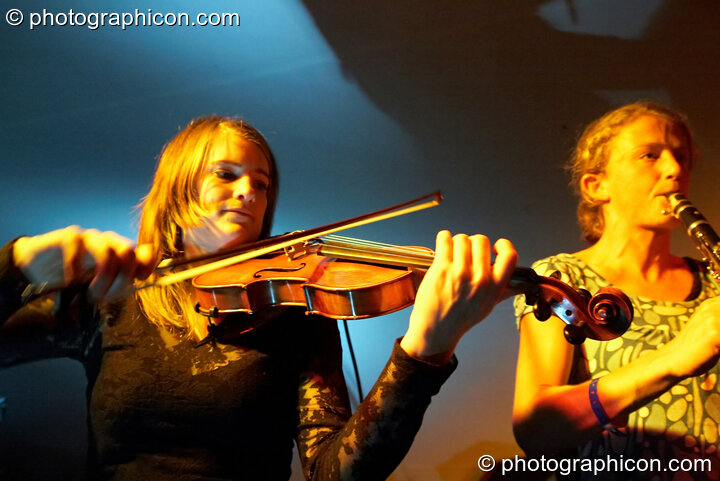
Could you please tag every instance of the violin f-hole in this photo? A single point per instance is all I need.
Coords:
(258, 274)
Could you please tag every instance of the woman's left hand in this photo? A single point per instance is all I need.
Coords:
(460, 289)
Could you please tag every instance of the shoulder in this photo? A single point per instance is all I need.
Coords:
(566, 264)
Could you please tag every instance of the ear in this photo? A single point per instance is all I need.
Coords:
(593, 187)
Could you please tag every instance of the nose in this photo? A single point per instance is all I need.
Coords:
(672, 167)
(243, 189)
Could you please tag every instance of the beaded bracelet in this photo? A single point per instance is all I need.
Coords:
(599, 411)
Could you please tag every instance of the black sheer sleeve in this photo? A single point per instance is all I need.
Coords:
(371, 443)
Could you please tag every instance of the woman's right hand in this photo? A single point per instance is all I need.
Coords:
(697, 348)
(107, 261)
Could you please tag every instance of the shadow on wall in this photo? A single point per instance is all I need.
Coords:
(502, 85)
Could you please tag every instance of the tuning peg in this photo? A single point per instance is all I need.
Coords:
(542, 310)
(574, 334)
(585, 293)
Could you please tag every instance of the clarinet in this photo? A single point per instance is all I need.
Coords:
(700, 230)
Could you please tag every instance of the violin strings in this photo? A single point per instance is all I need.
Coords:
(400, 250)
(357, 249)
(362, 255)
(384, 249)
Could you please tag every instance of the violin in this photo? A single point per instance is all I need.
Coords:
(344, 278)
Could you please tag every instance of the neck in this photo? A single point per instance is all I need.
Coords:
(642, 248)
(623, 252)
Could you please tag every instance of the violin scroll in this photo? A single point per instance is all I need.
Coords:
(611, 308)
(610, 311)
(603, 316)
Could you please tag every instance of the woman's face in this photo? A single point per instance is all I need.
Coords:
(233, 189)
(649, 158)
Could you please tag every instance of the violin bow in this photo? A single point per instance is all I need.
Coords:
(266, 246)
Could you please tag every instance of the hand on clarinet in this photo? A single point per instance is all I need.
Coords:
(697, 347)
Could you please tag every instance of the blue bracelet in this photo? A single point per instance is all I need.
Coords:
(598, 409)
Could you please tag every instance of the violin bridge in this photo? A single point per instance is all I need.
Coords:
(296, 251)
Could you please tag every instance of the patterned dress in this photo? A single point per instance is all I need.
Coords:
(682, 423)
(161, 408)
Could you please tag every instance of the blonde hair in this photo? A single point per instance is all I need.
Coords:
(173, 202)
(592, 152)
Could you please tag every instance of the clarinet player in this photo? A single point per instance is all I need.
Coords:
(652, 393)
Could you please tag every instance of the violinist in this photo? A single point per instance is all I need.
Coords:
(161, 404)
(653, 393)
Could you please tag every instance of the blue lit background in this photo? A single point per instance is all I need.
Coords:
(365, 104)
